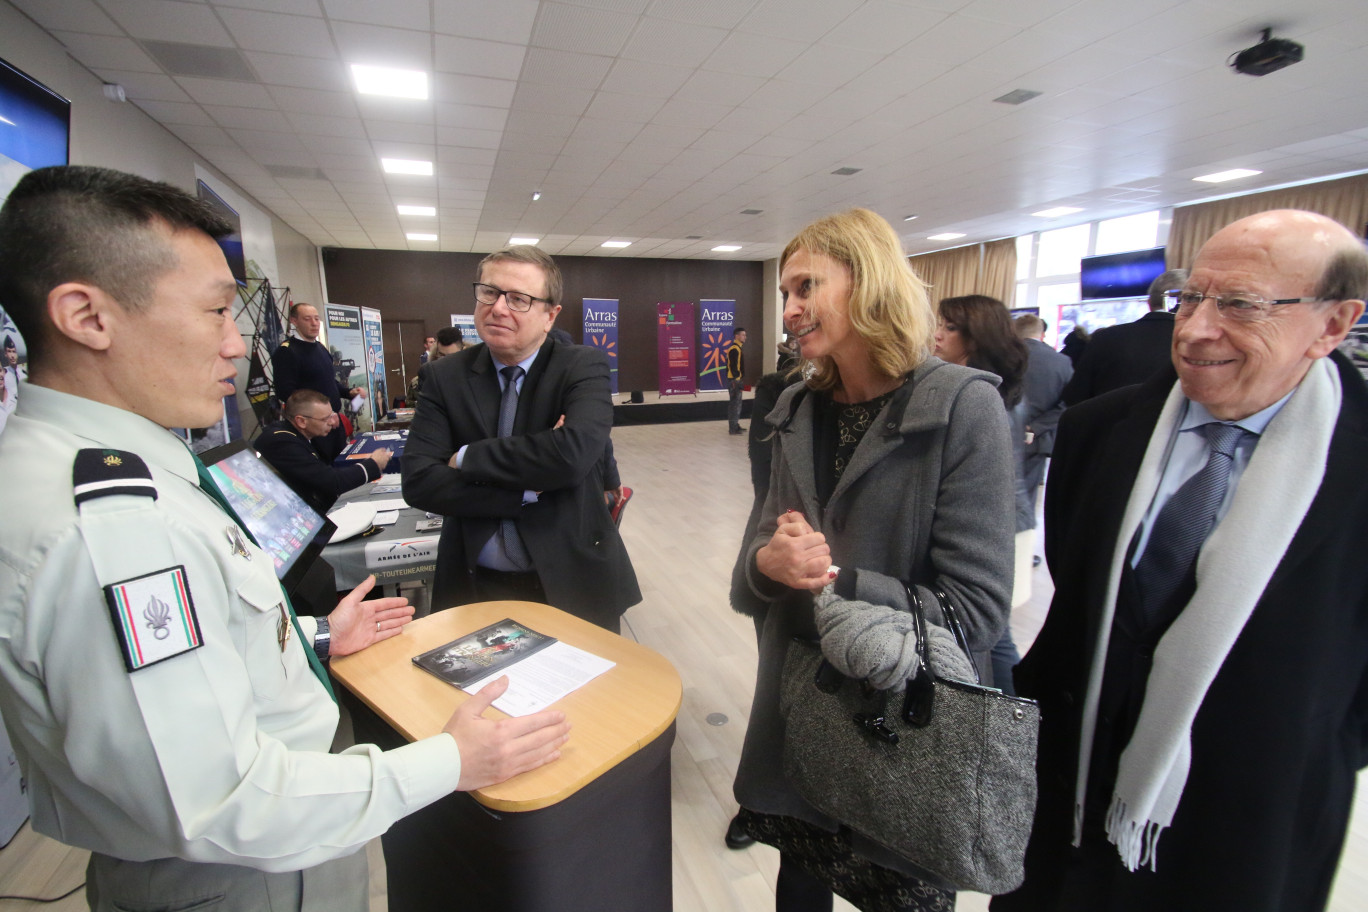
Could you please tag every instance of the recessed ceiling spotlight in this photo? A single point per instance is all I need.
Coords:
(517, 242)
(726, 248)
(947, 236)
(1222, 176)
(908, 218)
(1057, 211)
(374, 80)
(417, 210)
(421, 237)
(617, 244)
(536, 195)
(406, 166)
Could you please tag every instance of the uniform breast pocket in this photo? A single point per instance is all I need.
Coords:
(267, 630)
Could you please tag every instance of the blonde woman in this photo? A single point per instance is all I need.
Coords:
(894, 467)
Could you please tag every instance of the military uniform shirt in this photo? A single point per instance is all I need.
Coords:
(220, 754)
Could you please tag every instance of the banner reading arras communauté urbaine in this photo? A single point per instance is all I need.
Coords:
(714, 335)
(601, 332)
(675, 349)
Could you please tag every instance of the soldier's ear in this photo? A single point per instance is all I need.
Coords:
(82, 313)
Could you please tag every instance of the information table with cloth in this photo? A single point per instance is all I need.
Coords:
(590, 831)
(396, 553)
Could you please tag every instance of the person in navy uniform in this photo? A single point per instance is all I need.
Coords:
(302, 362)
(287, 445)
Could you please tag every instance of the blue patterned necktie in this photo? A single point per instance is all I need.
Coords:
(513, 545)
(210, 487)
(1185, 522)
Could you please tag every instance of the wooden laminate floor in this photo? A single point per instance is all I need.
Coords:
(682, 528)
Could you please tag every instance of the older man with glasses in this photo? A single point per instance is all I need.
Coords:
(506, 444)
(1203, 672)
(287, 445)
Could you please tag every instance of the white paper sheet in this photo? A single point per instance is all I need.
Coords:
(544, 677)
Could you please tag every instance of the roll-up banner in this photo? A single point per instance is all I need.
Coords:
(375, 362)
(601, 332)
(714, 335)
(675, 349)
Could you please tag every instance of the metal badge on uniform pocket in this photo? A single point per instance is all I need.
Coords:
(283, 626)
(235, 539)
(154, 617)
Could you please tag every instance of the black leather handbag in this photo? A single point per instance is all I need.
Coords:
(942, 775)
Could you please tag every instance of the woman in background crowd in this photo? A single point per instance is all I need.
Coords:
(893, 467)
(976, 330)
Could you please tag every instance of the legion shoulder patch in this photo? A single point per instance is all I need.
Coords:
(154, 617)
(101, 473)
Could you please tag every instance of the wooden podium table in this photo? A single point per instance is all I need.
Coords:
(590, 831)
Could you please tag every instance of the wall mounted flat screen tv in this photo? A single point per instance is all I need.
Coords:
(34, 122)
(1120, 275)
(232, 244)
(286, 527)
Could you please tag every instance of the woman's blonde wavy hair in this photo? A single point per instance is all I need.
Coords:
(888, 306)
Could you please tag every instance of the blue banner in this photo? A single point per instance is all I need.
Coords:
(715, 334)
(601, 332)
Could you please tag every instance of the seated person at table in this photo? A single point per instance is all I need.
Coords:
(287, 445)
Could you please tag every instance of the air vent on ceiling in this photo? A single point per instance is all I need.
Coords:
(200, 60)
(1017, 96)
(296, 172)
(846, 172)
(693, 237)
(751, 211)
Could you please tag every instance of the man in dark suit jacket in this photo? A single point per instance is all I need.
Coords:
(1130, 353)
(287, 445)
(526, 517)
(1047, 371)
(1199, 739)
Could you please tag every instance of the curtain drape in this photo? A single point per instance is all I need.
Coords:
(1344, 200)
(988, 269)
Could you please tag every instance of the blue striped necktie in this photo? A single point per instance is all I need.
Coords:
(513, 545)
(1185, 522)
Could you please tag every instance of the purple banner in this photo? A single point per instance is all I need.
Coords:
(601, 332)
(715, 334)
(675, 348)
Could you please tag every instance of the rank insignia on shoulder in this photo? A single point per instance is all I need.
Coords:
(154, 617)
(102, 473)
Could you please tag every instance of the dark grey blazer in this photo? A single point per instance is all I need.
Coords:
(578, 554)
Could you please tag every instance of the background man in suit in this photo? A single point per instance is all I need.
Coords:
(1204, 712)
(1118, 356)
(1046, 373)
(507, 443)
(285, 444)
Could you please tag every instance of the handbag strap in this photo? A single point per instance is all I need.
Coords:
(919, 700)
(956, 626)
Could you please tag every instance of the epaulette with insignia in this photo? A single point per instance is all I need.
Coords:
(100, 473)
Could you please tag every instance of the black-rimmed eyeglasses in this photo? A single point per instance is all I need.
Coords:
(516, 300)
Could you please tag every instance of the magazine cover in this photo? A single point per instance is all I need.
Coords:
(479, 654)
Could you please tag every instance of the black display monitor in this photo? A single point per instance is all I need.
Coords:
(1120, 275)
(232, 243)
(285, 527)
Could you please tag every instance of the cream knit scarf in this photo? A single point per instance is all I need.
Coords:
(1233, 568)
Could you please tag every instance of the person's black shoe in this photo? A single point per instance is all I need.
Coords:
(736, 430)
(738, 838)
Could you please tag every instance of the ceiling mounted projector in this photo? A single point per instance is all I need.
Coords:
(1267, 56)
